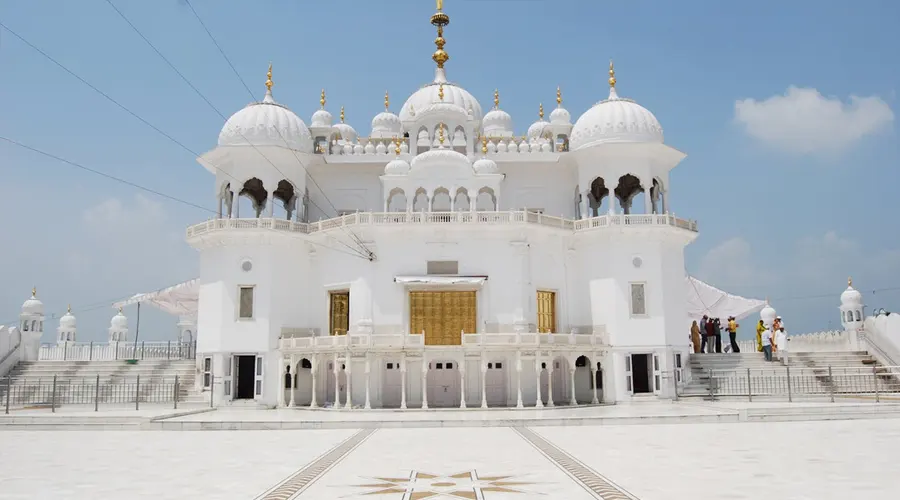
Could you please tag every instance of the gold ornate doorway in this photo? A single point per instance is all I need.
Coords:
(442, 315)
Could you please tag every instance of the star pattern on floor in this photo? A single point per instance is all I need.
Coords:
(463, 485)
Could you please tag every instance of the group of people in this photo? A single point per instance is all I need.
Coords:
(707, 336)
(767, 339)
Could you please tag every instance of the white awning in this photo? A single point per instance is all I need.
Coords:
(178, 300)
(707, 299)
(441, 280)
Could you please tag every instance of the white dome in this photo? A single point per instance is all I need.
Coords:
(560, 116)
(615, 120)
(397, 166)
(266, 123)
(439, 156)
(539, 128)
(67, 321)
(321, 119)
(347, 133)
(423, 100)
(118, 322)
(767, 314)
(485, 166)
(33, 306)
(851, 296)
(497, 123)
(386, 124)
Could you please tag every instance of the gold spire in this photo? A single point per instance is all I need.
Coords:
(496, 98)
(440, 20)
(397, 145)
(69, 308)
(322, 99)
(387, 100)
(850, 281)
(441, 134)
(33, 292)
(483, 145)
(441, 91)
(541, 111)
(342, 114)
(558, 96)
(269, 82)
(612, 75)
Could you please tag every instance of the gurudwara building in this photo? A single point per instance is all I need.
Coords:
(442, 261)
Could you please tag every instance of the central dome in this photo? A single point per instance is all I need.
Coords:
(427, 97)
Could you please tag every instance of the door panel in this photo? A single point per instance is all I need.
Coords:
(546, 311)
(339, 313)
(442, 315)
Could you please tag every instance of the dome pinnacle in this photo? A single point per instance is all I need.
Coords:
(496, 99)
(541, 111)
(34, 292)
(441, 134)
(850, 281)
(558, 97)
(440, 20)
(322, 99)
(387, 101)
(612, 75)
(269, 82)
(342, 114)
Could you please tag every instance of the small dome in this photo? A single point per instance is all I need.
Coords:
(497, 123)
(266, 123)
(33, 306)
(851, 296)
(321, 119)
(423, 101)
(344, 130)
(539, 129)
(615, 120)
(397, 166)
(119, 321)
(767, 314)
(560, 116)
(386, 125)
(485, 166)
(67, 321)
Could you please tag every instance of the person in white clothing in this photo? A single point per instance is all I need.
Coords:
(767, 344)
(781, 343)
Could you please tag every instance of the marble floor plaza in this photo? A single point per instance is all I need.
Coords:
(755, 460)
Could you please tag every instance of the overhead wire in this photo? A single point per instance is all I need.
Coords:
(357, 253)
(247, 88)
(225, 119)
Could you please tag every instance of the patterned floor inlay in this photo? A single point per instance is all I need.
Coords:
(303, 478)
(463, 485)
(593, 482)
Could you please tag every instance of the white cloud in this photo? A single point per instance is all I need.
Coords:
(806, 122)
(113, 213)
(731, 264)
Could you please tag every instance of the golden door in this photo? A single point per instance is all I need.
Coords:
(442, 315)
(546, 311)
(339, 313)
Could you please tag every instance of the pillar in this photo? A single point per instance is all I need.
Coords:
(648, 198)
(270, 204)
(368, 405)
(519, 381)
(573, 401)
(584, 203)
(337, 383)
(293, 367)
(424, 383)
(349, 371)
(236, 206)
(537, 373)
(550, 384)
(315, 368)
(462, 384)
(483, 383)
(403, 381)
(520, 323)
(594, 399)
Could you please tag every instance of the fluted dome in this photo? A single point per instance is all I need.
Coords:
(345, 131)
(851, 296)
(266, 123)
(560, 116)
(33, 305)
(615, 120)
(67, 321)
(321, 118)
(397, 166)
(538, 129)
(426, 100)
(439, 157)
(497, 123)
(485, 166)
(119, 321)
(386, 124)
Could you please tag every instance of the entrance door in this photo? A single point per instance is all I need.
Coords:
(495, 384)
(443, 384)
(641, 373)
(442, 315)
(244, 376)
(390, 391)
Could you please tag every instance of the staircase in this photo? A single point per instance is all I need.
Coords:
(31, 382)
(811, 373)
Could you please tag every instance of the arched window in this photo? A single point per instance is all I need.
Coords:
(858, 316)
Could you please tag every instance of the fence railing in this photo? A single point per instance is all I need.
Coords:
(53, 392)
(878, 382)
(91, 351)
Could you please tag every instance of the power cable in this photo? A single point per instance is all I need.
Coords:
(224, 118)
(244, 83)
(135, 115)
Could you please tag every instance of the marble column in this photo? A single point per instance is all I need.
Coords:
(315, 368)
(537, 375)
(483, 383)
(585, 204)
(292, 374)
(573, 401)
(337, 383)
(594, 399)
(519, 384)
(550, 383)
(349, 372)
(368, 405)
(270, 204)
(403, 382)
(424, 383)
(462, 384)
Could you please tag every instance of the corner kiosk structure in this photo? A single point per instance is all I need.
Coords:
(442, 261)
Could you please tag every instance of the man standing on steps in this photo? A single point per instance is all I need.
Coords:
(732, 334)
(767, 343)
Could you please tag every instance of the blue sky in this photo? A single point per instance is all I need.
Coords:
(785, 109)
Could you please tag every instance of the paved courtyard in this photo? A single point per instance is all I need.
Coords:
(780, 460)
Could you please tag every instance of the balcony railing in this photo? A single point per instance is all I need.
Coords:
(96, 351)
(417, 341)
(512, 217)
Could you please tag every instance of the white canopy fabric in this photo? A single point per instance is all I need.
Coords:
(182, 299)
(709, 300)
(178, 300)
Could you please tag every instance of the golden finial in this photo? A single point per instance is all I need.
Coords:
(342, 114)
(322, 99)
(441, 92)
(441, 134)
(69, 308)
(558, 96)
(483, 145)
(120, 309)
(496, 98)
(397, 145)
(269, 79)
(612, 75)
(541, 111)
(33, 292)
(440, 5)
(849, 281)
(387, 100)
(440, 20)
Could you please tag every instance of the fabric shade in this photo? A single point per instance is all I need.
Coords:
(707, 299)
